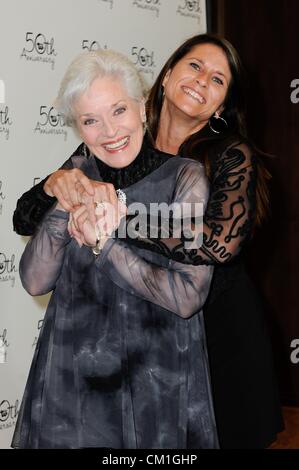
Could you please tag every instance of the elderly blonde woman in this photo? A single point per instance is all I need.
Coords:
(121, 359)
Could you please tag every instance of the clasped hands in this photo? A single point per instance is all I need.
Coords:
(95, 211)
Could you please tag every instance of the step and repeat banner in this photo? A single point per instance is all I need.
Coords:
(38, 39)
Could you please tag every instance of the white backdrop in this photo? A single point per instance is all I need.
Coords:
(38, 39)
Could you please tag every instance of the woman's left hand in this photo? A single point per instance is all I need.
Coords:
(81, 228)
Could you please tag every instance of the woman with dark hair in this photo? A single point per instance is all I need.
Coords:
(183, 119)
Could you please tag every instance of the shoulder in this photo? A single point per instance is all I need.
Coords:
(81, 156)
(190, 166)
(236, 146)
(78, 160)
(191, 174)
(231, 154)
(180, 165)
(81, 150)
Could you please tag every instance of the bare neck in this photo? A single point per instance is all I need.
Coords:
(174, 128)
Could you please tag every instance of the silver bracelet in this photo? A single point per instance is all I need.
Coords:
(97, 249)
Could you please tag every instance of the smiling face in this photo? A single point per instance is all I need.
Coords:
(109, 121)
(197, 85)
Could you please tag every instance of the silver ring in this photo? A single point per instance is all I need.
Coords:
(99, 205)
(97, 249)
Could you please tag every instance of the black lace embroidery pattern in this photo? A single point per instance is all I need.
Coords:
(228, 218)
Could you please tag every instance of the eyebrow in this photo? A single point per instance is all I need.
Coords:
(118, 102)
(94, 114)
(203, 63)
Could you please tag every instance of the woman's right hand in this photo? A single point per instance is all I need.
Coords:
(82, 229)
(67, 186)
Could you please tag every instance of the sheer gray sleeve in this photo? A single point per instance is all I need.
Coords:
(41, 262)
(180, 288)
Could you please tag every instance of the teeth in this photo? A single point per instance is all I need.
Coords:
(194, 95)
(117, 144)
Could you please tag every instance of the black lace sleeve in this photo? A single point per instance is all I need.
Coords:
(31, 208)
(33, 205)
(229, 216)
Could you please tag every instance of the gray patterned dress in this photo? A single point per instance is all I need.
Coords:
(121, 359)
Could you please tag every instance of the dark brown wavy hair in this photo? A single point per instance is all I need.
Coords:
(205, 144)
